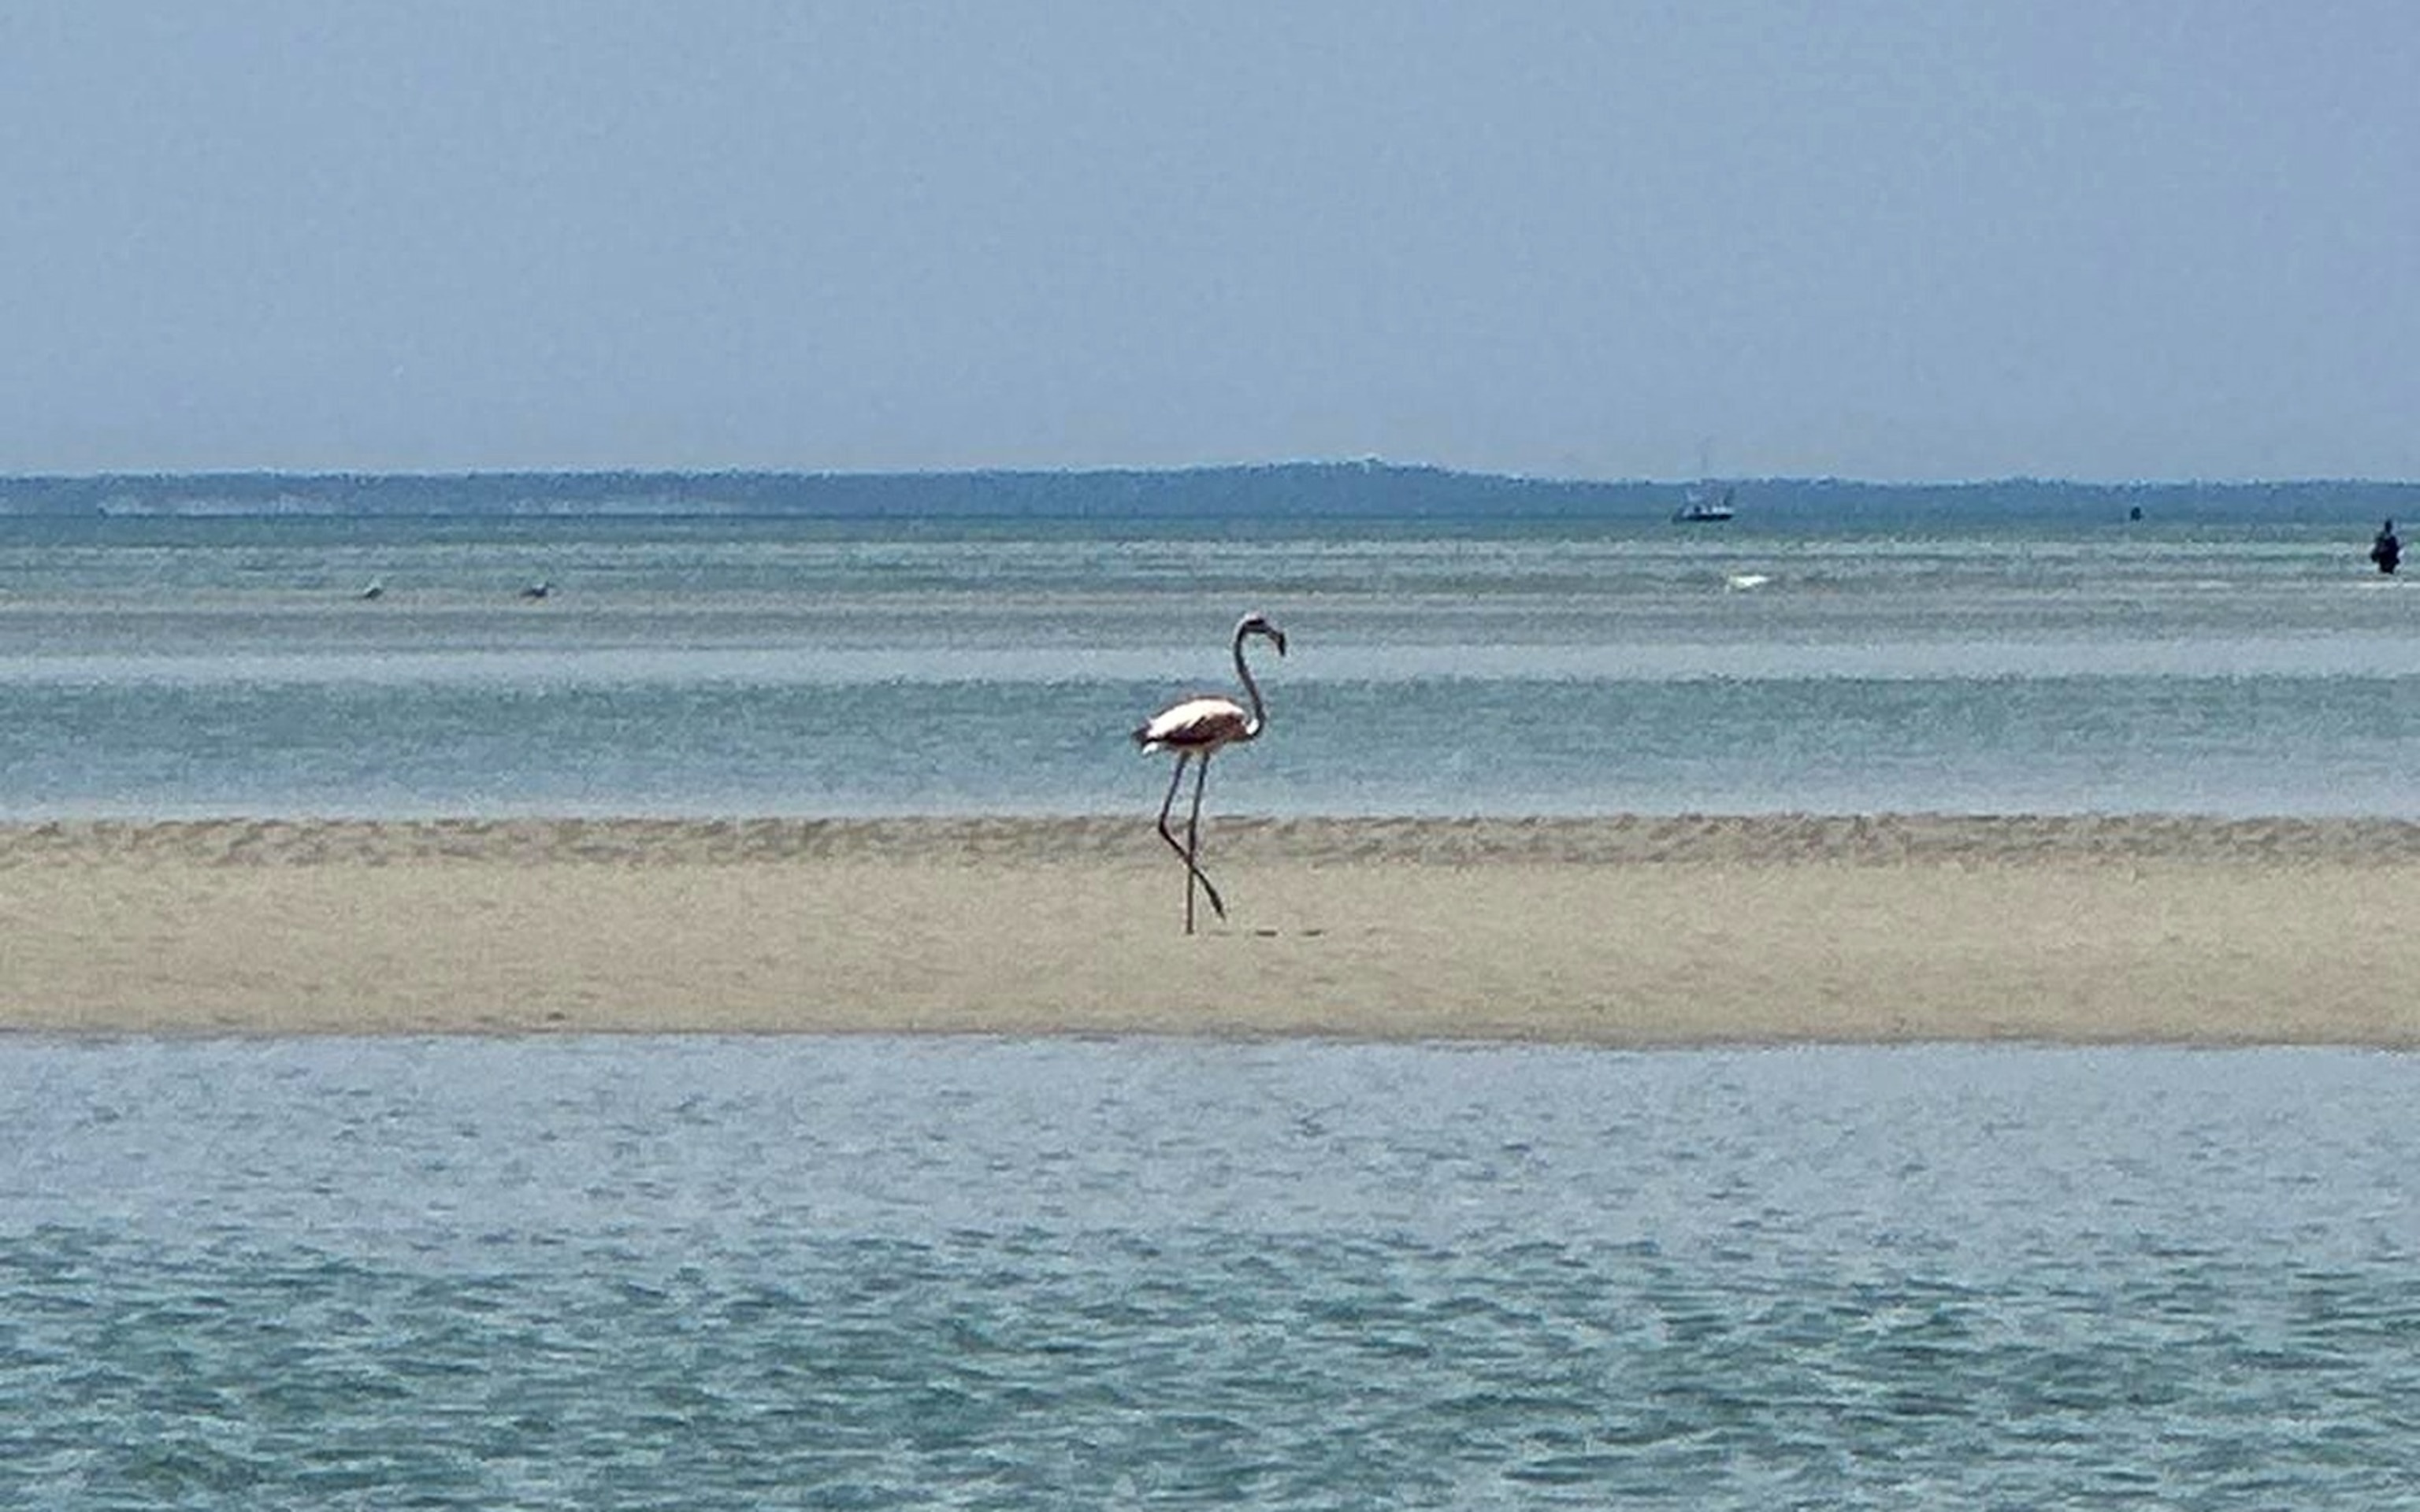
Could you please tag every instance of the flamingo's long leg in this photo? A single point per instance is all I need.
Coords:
(1184, 853)
(1193, 847)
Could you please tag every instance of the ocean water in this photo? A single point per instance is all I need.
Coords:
(211, 666)
(710, 1273)
(642, 1273)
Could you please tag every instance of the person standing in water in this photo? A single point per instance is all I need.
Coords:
(2386, 550)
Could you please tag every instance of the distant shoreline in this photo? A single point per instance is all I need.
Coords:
(1341, 490)
(1632, 930)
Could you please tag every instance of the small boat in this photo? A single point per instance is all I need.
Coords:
(1698, 508)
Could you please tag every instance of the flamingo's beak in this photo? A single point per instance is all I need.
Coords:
(1278, 636)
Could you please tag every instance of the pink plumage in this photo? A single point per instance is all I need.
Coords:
(1202, 724)
(1196, 730)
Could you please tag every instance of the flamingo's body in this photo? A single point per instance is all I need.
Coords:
(1198, 725)
(1196, 730)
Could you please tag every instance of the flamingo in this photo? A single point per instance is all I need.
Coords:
(1197, 730)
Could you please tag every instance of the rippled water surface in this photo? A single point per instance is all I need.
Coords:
(734, 1273)
(802, 667)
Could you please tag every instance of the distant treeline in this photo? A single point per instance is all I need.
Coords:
(1304, 491)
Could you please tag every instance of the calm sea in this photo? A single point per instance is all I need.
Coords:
(641, 1273)
(799, 667)
(716, 1273)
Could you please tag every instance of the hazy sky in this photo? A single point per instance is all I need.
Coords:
(1899, 239)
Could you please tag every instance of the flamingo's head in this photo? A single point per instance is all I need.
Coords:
(1259, 624)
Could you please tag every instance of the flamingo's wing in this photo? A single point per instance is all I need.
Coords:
(1196, 724)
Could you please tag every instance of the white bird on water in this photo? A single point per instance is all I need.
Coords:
(1196, 730)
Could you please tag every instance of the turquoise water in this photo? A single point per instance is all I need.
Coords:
(821, 668)
(739, 1274)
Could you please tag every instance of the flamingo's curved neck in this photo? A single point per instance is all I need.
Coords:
(1252, 690)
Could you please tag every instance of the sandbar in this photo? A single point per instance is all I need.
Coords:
(1632, 930)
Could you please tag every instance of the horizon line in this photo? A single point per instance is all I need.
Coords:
(1370, 464)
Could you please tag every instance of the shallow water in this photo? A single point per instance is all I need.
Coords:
(736, 1272)
(1473, 667)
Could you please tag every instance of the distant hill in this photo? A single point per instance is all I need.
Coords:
(1293, 491)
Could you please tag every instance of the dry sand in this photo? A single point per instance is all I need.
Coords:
(1626, 931)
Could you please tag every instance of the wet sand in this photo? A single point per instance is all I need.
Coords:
(1617, 931)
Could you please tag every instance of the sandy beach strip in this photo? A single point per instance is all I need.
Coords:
(1630, 930)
